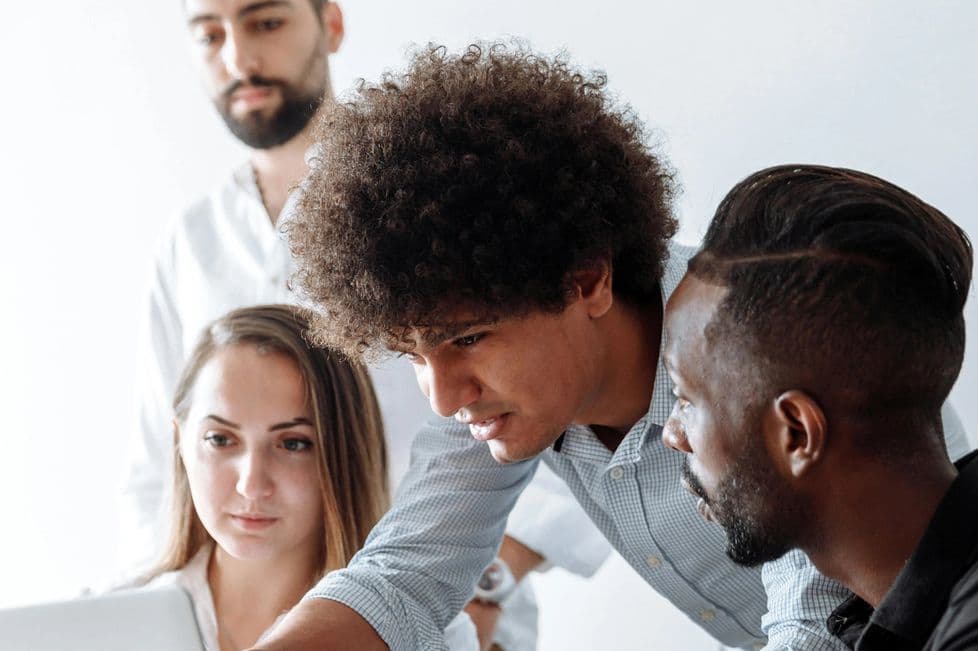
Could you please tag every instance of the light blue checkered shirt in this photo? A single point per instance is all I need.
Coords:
(420, 562)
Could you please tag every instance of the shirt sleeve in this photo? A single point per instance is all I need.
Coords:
(158, 356)
(549, 520)
(800, 600)
(420, 563)
(460, 634)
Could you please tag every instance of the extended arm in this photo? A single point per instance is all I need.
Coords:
(421, 561)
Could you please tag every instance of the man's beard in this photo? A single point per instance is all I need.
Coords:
(263, 132)
(759, 516)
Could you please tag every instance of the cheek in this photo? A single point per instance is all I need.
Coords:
(210, 484)
(299, 488)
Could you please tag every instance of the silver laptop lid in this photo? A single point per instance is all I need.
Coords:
(149, 619)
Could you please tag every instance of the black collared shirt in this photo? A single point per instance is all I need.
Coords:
(933, 604)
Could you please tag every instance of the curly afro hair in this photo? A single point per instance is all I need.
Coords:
(476, 182)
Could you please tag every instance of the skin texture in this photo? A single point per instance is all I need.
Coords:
(520, 382)
(719, 420)
(249, 451)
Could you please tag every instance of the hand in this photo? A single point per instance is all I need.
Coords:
(321, 625)
(485, 616)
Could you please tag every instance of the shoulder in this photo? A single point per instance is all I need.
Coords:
(958, 627)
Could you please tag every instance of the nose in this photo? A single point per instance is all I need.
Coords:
(254, 479)
(674, 435)
(240, 59)
(449, 386)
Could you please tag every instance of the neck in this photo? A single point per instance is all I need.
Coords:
(631, 356)
(874, 522)
(250, 595)
(279, 169)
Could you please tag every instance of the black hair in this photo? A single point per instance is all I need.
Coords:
(842, 282)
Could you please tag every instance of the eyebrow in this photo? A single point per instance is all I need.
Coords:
(439, 335)
(222, 421)
(244, 11)
(292, 423)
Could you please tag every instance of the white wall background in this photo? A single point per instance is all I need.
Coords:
(104, 133)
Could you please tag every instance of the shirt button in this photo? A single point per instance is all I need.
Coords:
(653, 561)
(707, 615)
(617, 472)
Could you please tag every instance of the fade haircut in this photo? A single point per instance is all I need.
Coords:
(476, 182)
(841, 284)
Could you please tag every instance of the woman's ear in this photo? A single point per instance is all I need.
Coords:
(801, 431)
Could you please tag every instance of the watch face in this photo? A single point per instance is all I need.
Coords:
(491, 578)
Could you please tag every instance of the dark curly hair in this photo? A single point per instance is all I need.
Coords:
(845, 282)
(475, 182)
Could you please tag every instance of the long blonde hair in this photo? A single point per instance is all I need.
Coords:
(349, 434)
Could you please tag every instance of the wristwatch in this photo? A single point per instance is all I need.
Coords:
(496, 583)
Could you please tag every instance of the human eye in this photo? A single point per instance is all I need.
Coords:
(468, 341)
(297, 444)
(207, 36)
(269, 24)
(217, 439)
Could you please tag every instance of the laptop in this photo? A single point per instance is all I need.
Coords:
(148, 619)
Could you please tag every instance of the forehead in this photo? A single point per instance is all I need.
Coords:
(242, 372)
(689, 312)
(231, 9)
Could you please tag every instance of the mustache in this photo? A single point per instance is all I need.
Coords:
(254, 80)
(692, 481)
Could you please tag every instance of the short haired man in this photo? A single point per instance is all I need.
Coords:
(812, 344)
(495, 218)
(265, 65)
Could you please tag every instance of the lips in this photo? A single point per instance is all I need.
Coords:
(487, 429)
(702, 506)
(251, 95)
(253, 522)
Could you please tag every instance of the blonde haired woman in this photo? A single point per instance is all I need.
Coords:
(279, 474)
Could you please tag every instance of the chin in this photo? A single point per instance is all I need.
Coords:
(248, 548)
(504, 452)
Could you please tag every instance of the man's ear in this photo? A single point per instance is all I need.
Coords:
(800, 431)
(594, 287)
(331, 18)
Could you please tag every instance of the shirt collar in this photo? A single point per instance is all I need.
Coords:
(914, 604)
